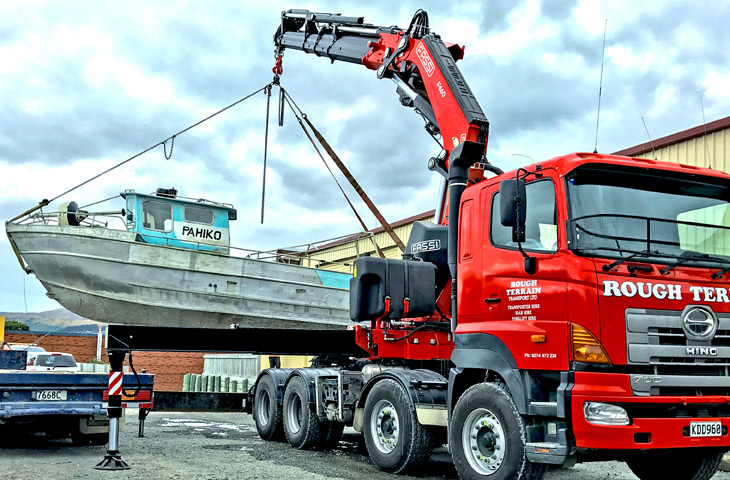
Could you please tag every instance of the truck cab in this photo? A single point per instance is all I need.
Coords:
(622, 328)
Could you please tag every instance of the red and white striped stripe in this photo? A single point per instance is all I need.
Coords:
(115, 383)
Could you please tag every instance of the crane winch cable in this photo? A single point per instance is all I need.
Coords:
(45, 202)
(267, 90)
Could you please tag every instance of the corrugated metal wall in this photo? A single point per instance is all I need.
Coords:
(705, 151)
(339, 258)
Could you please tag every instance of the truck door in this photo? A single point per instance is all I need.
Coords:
(537, 301)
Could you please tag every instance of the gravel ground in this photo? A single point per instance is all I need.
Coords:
(226, 445)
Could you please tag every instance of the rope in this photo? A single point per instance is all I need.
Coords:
(160, 143)
(100, 201)
(266, 147)
(164, 148)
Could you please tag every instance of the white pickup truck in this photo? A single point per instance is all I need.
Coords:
(60, 403)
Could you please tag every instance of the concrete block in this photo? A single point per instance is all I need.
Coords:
(186, 382)
(205, 383)
(234, 386)
(198, 383)
(226, 386)
(217, 383)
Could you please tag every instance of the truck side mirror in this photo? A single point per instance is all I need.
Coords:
(513, 207)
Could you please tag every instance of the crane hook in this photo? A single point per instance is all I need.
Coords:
(278, 68)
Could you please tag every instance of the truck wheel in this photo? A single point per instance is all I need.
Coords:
(687, 464)
(487, 437)
(396, 442)
(266, 411)
(301, 425)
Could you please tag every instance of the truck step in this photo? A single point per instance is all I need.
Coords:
(547, 409)
(546, 452)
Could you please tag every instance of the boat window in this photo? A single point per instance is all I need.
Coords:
(157, 216)
(131, 208)
(198, 215)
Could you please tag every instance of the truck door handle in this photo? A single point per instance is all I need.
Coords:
(491, 300)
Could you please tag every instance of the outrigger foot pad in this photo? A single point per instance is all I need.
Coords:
(112, 461)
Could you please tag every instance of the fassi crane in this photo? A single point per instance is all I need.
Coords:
(428, 80)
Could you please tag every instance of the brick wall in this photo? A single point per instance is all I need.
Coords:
(168, 367)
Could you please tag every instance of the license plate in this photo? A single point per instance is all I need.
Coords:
(50, 395)
(705, 429)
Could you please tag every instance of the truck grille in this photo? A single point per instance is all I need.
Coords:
(656, 337)
(679, 366)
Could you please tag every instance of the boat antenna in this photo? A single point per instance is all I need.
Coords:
(600, 86)
(704, 124)
(651, 142)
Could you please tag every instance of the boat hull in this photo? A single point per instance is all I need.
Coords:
(108, 276)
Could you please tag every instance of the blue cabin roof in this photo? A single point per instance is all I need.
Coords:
(164, 218)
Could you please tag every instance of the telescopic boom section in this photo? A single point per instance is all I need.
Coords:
(419, 62)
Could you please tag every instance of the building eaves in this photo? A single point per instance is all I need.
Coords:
(676, 138)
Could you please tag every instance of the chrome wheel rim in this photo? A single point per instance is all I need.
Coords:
(385, 426)
(294, 413)
(483, 441)
(264, 405)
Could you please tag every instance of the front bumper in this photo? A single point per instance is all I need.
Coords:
(656, 421)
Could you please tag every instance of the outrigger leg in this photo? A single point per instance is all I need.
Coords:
(142, 416)
(113, 459)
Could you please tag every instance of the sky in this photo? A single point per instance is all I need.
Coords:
(85, 85)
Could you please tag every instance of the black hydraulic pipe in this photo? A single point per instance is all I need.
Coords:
(462, 158)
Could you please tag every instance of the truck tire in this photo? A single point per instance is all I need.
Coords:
(487, 437)
(302, 427)
(687, 464)
(395, 441)
(266, 411)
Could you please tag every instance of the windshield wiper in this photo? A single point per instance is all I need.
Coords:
(621, 260)
(688, 256)
(722, 272)
(679, 262)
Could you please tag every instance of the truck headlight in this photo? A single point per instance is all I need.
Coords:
(605, 414)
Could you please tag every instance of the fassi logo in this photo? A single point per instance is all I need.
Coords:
(664, 291)
(425, 58)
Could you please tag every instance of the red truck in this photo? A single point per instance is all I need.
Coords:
(576, 309)
(582, 304)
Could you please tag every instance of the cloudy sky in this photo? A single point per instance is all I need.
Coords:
(87, 84)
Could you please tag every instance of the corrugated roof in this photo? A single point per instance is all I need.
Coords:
(682, 136)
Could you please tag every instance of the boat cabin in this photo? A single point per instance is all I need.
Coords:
(164, 218)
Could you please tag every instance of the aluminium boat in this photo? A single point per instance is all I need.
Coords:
(171, 264)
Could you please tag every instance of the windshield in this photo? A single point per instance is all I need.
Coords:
(55, 361)
(620, 211)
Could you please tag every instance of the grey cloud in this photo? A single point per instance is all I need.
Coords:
(495, 14)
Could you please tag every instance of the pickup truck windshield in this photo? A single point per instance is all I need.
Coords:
(652, 215)
(55, 361)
